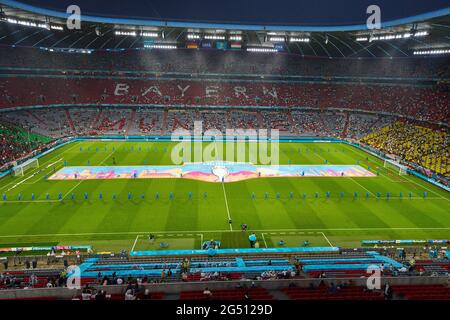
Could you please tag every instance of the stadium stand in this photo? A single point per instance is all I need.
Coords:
(427, 147)
(229, 62)
(301, 276)
(16, 142)
(333, 292)
(422, 103)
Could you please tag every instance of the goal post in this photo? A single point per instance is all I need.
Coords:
(20, 169)
(395, 166)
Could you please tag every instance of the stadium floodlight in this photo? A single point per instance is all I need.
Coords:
(392, 36)
(295, 39)
(26, 23)
(261, 49)
(214, 37)
(125, 33)
(44, 26)
(54, 27)
(235, 38)
(150, 34)
(192, 36)
(277, 39)
(421, 34)
(160, 46)
(432, 52)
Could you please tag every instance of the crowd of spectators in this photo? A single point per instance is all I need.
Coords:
(147, 121)
(16, 143)
(428, 147)
(225, 62)
(12, 281)
(428, 103)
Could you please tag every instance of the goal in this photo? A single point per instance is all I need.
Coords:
(395, 166)
(20, 169)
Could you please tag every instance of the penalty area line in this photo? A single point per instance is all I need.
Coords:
(264, 239)
(135, 242)
(35, 170)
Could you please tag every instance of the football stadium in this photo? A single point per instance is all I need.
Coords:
(155, 151)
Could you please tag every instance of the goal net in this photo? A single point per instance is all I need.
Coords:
(20, 169)
(395, 166)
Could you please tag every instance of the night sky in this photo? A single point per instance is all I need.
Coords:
(311, 12)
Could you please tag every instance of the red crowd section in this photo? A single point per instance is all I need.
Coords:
(423, 103)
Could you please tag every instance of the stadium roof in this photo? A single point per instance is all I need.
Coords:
(329, 28)
(315, 15)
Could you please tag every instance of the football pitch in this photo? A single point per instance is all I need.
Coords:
(118, 214)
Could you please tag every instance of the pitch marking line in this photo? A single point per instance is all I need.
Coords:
(349, 177)
(32, 176)
(293, 233)
(362, 186)
(223, 188)
(326, 238)
(198, 235)
(77, 185)
(19, 183)
(210, 231)
(407, 178)
(351, 149)
(135, 242)
(47, 167)
(264, 239)
(201, 240)
(51, 159)
(427, 189)
(226, 204)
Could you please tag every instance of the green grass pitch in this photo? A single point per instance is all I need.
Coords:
(111, 225)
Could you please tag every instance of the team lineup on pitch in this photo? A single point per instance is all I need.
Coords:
(48, 205)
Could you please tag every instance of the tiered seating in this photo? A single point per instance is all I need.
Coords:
(325, 293)
(422, 292)
(84, 120)
(153, 296)
(312, 123)
(130, 268)
(231, 294)
(423, 103)
(89, 121)
(424, 146)
(16, 142)
(361, 125)
(149, 62)
(438, 267)
(345, 265)
(113, 122)
(253, 266)
(147, 122)
(22, 278)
